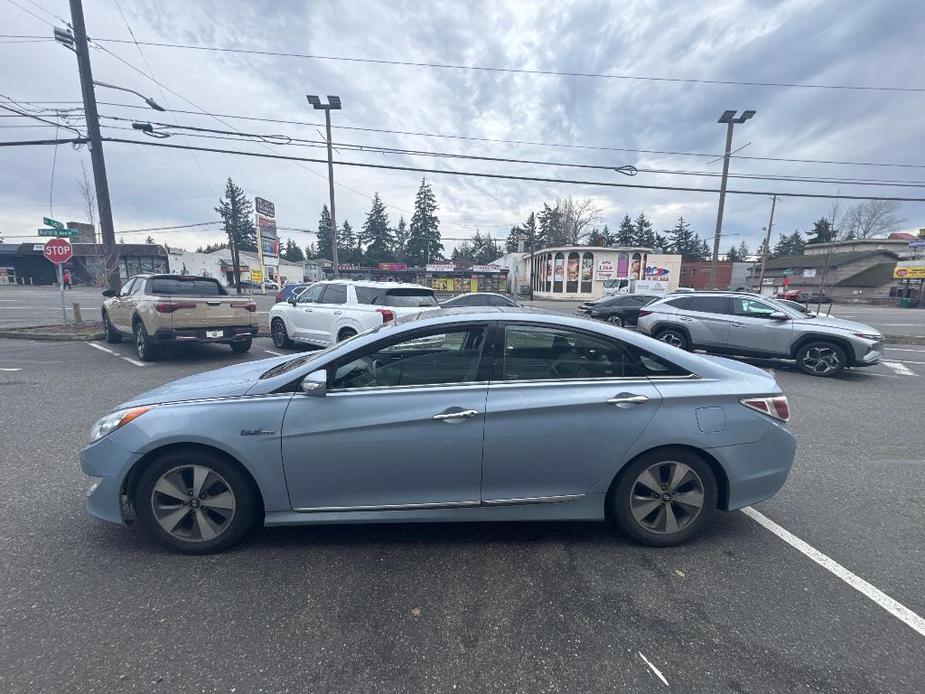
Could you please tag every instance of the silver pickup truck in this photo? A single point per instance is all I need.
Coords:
(157, 310)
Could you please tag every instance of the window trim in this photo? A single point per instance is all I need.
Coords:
(749, 315)
(497, 376)
(322, 298)
(727, 299)
(483, 372)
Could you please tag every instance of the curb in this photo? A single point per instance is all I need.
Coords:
(51, 337)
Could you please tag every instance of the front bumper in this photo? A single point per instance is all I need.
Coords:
(108, 462)
(229, 333)
(867, 353)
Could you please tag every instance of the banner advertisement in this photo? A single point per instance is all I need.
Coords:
(485, 268)
(909, 270)
(605, 269)
(392, 266)
(266, 232)
(440, 267)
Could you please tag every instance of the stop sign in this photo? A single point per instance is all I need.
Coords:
(58, 250)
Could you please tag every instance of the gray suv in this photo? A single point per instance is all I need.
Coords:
(750, 325)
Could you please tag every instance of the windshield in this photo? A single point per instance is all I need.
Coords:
(186, 286)
(307, 357)
(405, 298)
(790, 310)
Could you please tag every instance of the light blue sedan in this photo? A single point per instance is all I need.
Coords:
(454, 415)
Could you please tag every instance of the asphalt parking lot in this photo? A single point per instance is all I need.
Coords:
(509, 607)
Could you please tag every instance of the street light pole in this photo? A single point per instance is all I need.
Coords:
(729, 118)
(332, 105)
(767, 244)
(100, 181)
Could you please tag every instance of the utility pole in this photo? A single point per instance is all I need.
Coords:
(729, 118)
(332, 105)
(100, 181)
(767, 244)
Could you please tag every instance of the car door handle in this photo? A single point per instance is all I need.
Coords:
(455, 416)
(738, 325)
(685, 318)
(337, 313)
(306, 310)
(624, 400)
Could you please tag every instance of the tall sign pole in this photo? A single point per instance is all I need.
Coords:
(100, 181)
(717, 234)
(767, 244)
(327, 123)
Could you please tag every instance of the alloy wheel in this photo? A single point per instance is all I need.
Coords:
(615, 320)
(821, 360)
(193, 503)
(141, 345)
(279, 333)
(671, 338)
(666, 497)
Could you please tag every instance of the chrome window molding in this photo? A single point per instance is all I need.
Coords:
(390, 507)
(561, 498)
(465, 385)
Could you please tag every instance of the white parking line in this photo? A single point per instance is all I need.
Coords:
(654, 669)
(901, 612)
(276, 354)
(901, 369)
(100, 347)
(133, 361)
(10, 369)
(115, 354)
(903, 349)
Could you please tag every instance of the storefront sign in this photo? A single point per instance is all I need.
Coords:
(604, 269)
(392, 267)
(348, 266)
(653, 286)
(256, 276)
(656, 272)
(264, 207)
(440, 267)
(809, 272)
(486, 268)
(909, 270)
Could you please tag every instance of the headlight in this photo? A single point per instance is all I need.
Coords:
(114, 420)
(870, 336)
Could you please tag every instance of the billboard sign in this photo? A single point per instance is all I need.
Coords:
(485, 268)
(657, 272)
(440, 267)
(605, 269)
(392, 266)
(909, 270)
(269, 241)
(264, 207)
(809, 272)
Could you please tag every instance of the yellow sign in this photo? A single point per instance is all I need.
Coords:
(909, 270)
(256, 276)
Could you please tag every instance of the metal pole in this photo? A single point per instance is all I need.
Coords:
(60, 267)
(100, 181)
(533, 269)
(767, 244)
(327, 123)
(260, 253)
(722, 201)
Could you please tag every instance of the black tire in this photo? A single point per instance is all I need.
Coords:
(279, 334)
(673, 337)
(112, 336)
(241, 346)
(615, 320)
(144, 346)
(230, 477)
(821, 358)
(628, 491)
(346, 334)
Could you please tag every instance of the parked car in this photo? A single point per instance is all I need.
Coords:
(748, 325)
(158, 310)
(479, 299)
(620, 310)
(291, 289)
(805, 297)
(462, 415)
(334, 310)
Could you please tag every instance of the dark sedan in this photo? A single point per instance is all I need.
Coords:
(479, 299)
(620, 310)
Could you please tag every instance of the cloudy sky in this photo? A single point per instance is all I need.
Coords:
(830, 43)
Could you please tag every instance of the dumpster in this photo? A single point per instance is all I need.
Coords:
(905, 302)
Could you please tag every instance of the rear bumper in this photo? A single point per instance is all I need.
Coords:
(229, 333)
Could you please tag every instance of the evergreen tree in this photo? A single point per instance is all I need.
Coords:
(376, 233)
(608, 237)
(325, 237)
(292, 252)
(821, 232)
(788, 244)
(683, 241)
(311, 252)
(237, 213)
(596, 237)
(514, 237)
(643, 234)
(744, 250)
(400, 236)
(525, 232)
(703, 250)
(661, 242)
(347, 244)
(733, 254)
(212, 247)
(423, 244)
(552, 226)
(626, 233)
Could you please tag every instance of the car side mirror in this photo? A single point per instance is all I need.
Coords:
(316, 383)
(778, 315)
(108, 293)
(291, 300)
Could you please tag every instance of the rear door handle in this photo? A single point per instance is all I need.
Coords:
(624, 400)
(457, 416)
(685, 318)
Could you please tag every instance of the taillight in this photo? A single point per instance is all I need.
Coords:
(246, 305)
(387, 314)
(170, 306)
(776, 407)
(643, 313)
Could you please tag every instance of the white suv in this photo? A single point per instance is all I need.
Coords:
(331, 311)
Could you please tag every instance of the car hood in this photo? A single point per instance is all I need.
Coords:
(840, 323)
(227, 382)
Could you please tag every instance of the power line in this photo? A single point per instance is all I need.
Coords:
(34, 143)
(511, 177)
(520, 71)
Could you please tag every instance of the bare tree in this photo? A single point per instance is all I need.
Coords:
(88, 193)
(870, 218)
(578, 217)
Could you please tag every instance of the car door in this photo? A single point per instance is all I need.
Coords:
(706, 319)
(326, 312)
(119, 314)
(753, 330)
(301, 316)
(563, 407)
(399, 427)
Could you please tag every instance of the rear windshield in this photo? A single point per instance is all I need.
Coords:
(400, 298)
(186, 287)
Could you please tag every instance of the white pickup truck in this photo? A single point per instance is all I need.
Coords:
(330, 311)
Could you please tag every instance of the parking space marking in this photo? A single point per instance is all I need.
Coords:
(3, 369)
(100, 348)
(658, 673)
(135, 362)
(902, 361)
(901, 369)
(904, 349)
(898, 610)
(276, 354)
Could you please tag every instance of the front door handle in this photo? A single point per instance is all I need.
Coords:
(685, 318)
(306, 310)
(738, 325)
(457, 416)
(337, 313)
(624, 400)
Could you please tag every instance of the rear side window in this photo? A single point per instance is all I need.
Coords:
(334, 294)
(176, 286)
(408, 298)
(708, 304)
(683, 303)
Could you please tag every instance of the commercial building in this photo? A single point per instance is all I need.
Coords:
(443, 278)
(856, 275)
(25, 263)
(730, 275)
(218, 264)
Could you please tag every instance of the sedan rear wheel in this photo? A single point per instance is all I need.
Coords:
(615, 320)
(195, 501)
(664, 498)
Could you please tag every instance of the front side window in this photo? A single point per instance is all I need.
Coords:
(541, 353)
(310, 295)
(743, 306)
(127, 287)
(334, 294)
(709, 304)
(443, 357)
